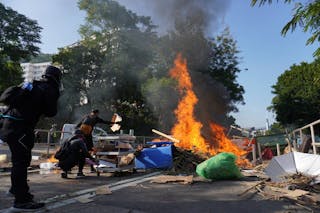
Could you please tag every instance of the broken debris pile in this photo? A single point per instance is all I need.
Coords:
(298, 188)
(186, 161)
(299, 181)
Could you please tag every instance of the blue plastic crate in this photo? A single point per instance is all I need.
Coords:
(159, 157)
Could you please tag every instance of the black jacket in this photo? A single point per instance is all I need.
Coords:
(92, 120)
(42, 100)
(75, 149)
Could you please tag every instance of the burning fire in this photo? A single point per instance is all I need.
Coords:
(52, 159)
(188, 129)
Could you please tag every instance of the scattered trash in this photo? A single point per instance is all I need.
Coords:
(47, 165)
(220, 167)
(84, 199)
(103, 190)
(185, 161)
(170, 178)
(35, 157)
(293, 163)
(105, 164)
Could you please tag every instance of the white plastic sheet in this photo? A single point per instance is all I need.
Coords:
(292, 163)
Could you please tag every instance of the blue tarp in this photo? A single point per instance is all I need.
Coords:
(158, 157)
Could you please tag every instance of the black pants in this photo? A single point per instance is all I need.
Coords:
(82, 161)
(20, 148)
(89, 144)
(74, 158)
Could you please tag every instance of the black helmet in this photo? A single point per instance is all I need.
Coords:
(53, 72)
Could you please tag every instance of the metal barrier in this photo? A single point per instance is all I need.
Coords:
(139, 139)
(306, 127)
(48, 140)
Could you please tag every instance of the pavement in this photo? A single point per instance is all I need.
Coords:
(133, 192)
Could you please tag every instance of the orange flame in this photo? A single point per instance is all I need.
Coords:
(52, 159)
(188, 129)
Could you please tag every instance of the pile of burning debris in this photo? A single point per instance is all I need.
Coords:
(186, 161)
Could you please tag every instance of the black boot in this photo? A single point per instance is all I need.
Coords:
(80, 175)
(64, 174)
(92, 170)
(27, 206)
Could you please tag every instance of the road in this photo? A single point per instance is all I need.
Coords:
(134, 193)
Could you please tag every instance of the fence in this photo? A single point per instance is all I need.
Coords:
(45, 136)
(298, 134)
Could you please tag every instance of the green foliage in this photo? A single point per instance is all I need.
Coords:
(276, 128)
(11, 74)
(163, 99)
(18, 39)
(297, 95)
(306, 15)
(77, 67)
(223, 66)
(110, 15)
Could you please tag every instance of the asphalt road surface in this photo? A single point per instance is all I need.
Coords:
(134, 193)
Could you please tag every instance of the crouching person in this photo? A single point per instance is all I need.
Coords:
(73, 152)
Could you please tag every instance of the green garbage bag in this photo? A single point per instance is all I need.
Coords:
(219, 167)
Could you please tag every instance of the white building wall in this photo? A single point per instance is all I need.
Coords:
(34, 71)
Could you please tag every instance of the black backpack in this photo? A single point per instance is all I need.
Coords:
(15, 96)
(65, 148)
(63, 151)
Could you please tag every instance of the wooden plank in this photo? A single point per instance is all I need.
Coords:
(165, 135)
(171, 178)
(251, 187)
(103, 190)
(296, 193)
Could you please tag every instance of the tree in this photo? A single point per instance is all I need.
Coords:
(276, 128)
(297, 95)
(306, 15)
(107, 68)
(223, 66)
(76, 63)
(18, 39)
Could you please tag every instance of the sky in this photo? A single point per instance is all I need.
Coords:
(265, 54)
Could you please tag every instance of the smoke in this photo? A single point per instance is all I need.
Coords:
(194, 18)
(207, 14)
(212, 103)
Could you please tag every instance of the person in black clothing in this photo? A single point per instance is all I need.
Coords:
(87, 124)
(17, 126)
(75, 153)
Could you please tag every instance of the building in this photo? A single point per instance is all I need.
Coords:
(34, 71)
